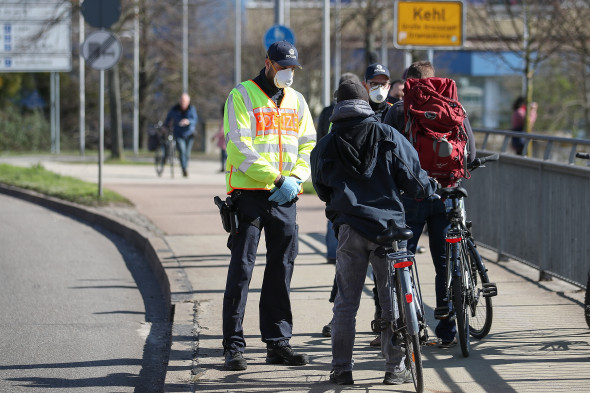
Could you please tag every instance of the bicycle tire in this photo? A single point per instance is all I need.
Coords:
(462, 316)
(587, 302)
(482, 312)
(159, 161)
(411, 342)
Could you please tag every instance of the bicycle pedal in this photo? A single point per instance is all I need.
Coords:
(442, 312)
(489, 289)
(379, 325)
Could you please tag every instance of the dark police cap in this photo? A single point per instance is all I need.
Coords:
(284, 54)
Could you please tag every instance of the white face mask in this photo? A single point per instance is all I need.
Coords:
(284, 78)
(378, 94)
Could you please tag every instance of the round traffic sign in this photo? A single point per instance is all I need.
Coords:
(278, 33)
(101, 13)
(101, 50)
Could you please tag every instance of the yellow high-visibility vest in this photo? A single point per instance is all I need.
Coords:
(263, 140)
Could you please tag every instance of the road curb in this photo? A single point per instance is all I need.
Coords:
(181, 312)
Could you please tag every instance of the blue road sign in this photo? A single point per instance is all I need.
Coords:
(278, 33)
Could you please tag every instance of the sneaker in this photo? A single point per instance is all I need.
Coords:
(376, 342)
(420, 250)
(397, 378)
(285, 355)
(341, 377)
(448, 344)
(327, 330)
(235, 361)
(184, 173)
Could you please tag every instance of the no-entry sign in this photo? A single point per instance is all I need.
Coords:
(429, 24)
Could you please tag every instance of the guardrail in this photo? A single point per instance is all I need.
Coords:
(535, 211)
(542, 146)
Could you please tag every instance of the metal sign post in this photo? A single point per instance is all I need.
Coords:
(102, 51)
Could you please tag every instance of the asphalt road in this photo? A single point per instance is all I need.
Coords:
(79, 309)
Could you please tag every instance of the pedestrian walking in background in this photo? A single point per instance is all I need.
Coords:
(270, 135)
(183, 118)
(519, 113)
(359, 169)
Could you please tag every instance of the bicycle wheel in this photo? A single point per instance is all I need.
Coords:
(480, 322)
(587, 302)
(460, 307)
(411, 342)
(159, 160)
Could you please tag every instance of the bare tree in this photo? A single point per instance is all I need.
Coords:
(523, 28)
(571, 24)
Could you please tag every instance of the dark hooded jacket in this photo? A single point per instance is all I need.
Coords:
(361, 166)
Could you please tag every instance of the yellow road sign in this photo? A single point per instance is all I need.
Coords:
(429, 24)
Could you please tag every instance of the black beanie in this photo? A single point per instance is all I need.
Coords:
(351, 90)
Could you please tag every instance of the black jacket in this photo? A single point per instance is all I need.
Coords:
(361, 166)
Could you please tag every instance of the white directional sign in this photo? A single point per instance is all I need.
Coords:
(101, 50)
(35, 36)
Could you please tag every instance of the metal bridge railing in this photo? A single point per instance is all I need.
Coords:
(533, 210)
(546, 147)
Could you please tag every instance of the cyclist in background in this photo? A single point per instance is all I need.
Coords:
(182, 118)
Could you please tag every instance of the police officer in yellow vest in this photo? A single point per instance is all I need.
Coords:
(270, 134)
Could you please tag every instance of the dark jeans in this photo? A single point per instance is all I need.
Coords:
(184, 146)
(276, 321)
(432, 212)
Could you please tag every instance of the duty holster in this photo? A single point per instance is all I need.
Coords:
(229, 214)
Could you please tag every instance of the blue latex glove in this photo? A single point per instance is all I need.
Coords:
(287, 192)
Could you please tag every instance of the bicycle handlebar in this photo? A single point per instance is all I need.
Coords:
(479, 162)
(585, 156)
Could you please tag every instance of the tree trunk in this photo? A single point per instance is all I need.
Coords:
(115, 112)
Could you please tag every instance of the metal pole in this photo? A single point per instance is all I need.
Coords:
(279, 12)
(57, 118)
(82, 85)
(326, 94)
(136, 80)
(185, 46)
(52, 109)
(384, 57)
(238, 44)
(431, 56)
(337, 44)
(100, 132)
(287, 13)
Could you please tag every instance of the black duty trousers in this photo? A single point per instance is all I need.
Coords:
(256, 212)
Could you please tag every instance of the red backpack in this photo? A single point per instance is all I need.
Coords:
(434, 125)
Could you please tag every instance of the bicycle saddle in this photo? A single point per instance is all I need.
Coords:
(392, 234)
(452, 192)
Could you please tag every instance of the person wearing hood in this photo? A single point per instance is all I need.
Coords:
(377, 84)
(359, 170)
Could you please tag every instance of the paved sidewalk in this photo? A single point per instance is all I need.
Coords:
(539, 341)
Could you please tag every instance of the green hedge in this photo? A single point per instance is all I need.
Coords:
(23, 131)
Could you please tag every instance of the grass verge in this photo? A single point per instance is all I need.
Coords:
(68, 188)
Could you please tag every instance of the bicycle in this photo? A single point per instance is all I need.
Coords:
(165, 150)
(406, 297)
(469, 290)
(586, 156)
